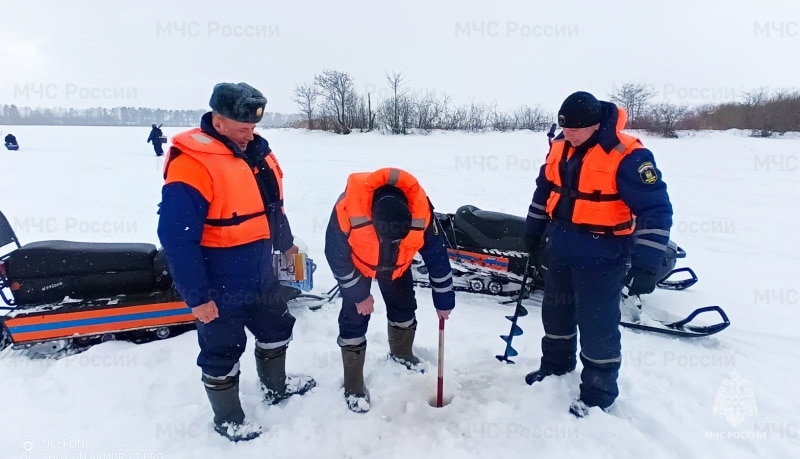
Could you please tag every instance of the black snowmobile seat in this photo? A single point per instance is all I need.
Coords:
(47, 259)
(491, 230)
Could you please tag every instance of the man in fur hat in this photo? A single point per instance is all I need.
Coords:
(221, 217)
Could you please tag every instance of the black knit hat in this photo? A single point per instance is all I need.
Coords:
(238, 101)
(580, 110)
(391, 216)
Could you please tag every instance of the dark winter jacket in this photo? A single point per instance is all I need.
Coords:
(649, 202)
(10, 139)
(356, 288)
(232, 275)
(155, 136)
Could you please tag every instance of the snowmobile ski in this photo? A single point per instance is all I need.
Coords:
(488, 256)
(678, 284)
(683, 328)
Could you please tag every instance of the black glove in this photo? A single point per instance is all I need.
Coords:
(640, 281)
(533, 244)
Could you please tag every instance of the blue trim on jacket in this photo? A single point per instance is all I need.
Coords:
(649, 203)
(232, 275)
(356, 287)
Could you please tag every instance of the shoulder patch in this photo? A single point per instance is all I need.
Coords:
(648, 173)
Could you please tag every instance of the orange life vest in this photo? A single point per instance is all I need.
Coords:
(236, 213)
(354, 214)
(598, 206)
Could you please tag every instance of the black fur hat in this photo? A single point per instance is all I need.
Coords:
(238, 101)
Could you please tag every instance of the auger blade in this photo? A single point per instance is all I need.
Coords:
(503, 358)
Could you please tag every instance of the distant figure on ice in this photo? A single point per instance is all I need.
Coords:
(11, 142)
(157, 137)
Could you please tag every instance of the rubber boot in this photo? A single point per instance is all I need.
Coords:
(558, 358)
(540, 374)
(228, 414)
(401, 341)
(275, 384)
(355, 391)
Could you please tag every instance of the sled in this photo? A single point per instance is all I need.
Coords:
(62, 297)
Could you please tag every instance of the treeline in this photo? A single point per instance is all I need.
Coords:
(332, 103)
(119, 116)
(762, 112)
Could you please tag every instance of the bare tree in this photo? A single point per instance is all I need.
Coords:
(756, 97)
(370, 114)
(355, 112)
(783, 111)
(430, 111)
(396, 115)
(426, 112)
(337, 89)
(395, 81)
(305, 96)
(477, 117)
(398, 108)
(755, 111)
(532, 118)
(501, 121)
(361, 114)
(456, 118)
(664, 118)
(634, 98)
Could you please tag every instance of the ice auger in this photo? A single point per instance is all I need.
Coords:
(519, 311)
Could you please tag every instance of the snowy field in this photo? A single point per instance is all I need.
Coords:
(735, 201)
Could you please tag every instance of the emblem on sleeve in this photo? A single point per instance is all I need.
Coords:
(648, 173)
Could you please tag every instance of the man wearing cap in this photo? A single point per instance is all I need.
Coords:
(602, 206)
(378, 224)
(221, 218)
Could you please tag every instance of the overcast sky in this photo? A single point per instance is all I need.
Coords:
(83, 53)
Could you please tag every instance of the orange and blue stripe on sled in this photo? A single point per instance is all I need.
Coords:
(59, 325)
(479, 259)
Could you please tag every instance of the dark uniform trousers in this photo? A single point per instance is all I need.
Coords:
(223, 340)
(401, 305)
(584, 294)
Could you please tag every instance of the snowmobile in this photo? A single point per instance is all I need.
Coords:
(488, 256)
(62, 297)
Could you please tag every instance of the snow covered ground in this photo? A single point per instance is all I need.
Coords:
(735, 201)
